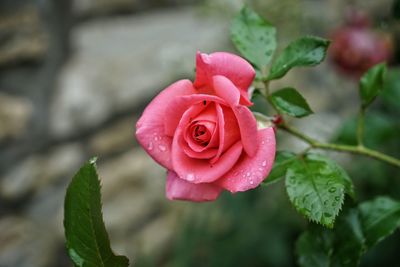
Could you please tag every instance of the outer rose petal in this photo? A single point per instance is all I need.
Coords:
(178, 189)
(225, 89)
(249, 172)
(248, 128)
(233, 67)
(150, 130)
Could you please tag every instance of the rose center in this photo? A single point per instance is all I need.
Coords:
(201, 134)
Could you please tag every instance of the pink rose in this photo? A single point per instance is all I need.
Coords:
(205, 134)
(356, 46)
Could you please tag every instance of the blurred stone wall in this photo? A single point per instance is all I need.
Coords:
(74, 77)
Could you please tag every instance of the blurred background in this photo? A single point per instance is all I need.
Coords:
(76, 74)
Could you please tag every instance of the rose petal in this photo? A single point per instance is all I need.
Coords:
(228, 130)
(233, 67)
(150, 130)
(206, 154)
(248, 128)
(195, 150)
(225, 89)
(221, 133)
(202, 171)
(178, 189)
(249, 172)
(179, 105)
(232, 131)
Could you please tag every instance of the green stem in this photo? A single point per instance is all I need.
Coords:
(360, 127)
(361, 150)
(267, 93)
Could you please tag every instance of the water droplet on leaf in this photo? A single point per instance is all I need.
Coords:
(332, 190)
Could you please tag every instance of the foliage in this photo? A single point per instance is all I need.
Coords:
(87, 240)
(316, 185)
(358, 229)
(306, 51)
(254, 37)
(290, 102)
(371, 84)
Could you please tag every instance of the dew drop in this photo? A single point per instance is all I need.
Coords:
(190, 177)
(162, 148)
(327, 214)
(150, 146)
(248, 174)
(332, 190)
(337, 198)
(251, 182)
(330, 182)
(155, 138)
(264, 163)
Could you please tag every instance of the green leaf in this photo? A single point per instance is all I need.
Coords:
(316, 186)
(291, 102)
(349, 241)
(380, 218)
(340, 247)
(391, 91)
(313, 248)
(254, 37)
(283, 160)
(87, 243)
(371, 83)
(306, 51)
(357, 229)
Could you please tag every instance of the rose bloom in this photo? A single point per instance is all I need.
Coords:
(356, 47)
(204, 134)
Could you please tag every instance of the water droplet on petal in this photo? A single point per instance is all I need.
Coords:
(150, 146)
(248, 174)
(190, 177)
(162, 148)
(264, 163)
(251, 182)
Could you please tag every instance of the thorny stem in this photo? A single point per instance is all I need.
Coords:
(361, 150)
